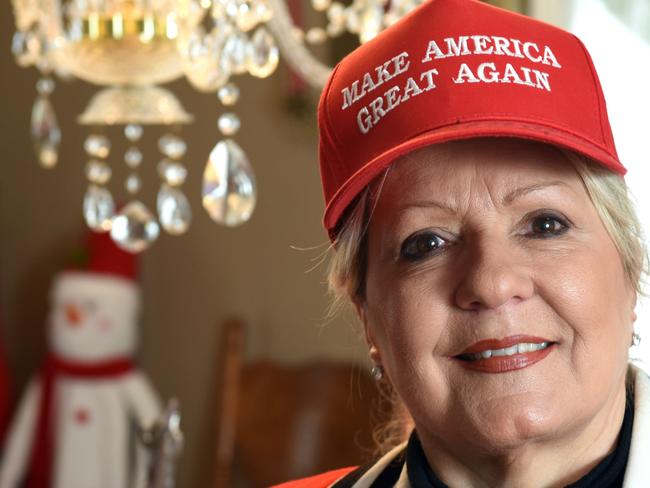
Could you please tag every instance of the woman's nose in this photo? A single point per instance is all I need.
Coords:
(492, 275)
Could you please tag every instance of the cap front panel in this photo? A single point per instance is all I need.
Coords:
(453, 62)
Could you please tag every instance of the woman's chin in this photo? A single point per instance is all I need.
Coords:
(511, 425)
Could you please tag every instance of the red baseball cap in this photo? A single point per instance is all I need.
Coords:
(456, 69)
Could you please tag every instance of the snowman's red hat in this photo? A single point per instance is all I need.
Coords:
(102, 256)
(106, 257)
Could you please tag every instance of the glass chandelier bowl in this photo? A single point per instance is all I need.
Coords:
(111, 42)
(145, 105)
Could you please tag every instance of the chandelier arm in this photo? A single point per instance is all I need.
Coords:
(25, 13)
(54, 25)
(45, 12)
(295, 52)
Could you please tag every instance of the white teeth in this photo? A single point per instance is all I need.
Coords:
(520, 348)
(523, 347)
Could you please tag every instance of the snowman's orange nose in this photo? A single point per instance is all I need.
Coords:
(73, 315)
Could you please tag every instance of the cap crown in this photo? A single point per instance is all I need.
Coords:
(455, 69)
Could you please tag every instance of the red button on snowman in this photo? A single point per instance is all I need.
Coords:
(75, 425)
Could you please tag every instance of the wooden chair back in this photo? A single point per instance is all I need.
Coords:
(279, 422)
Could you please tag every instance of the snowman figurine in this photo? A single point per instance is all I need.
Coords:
(77, 423)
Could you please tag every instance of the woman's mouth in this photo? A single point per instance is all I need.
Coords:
(503, 355)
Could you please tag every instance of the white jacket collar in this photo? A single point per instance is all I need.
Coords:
(637, 474)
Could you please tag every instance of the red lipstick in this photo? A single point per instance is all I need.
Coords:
(503, 364)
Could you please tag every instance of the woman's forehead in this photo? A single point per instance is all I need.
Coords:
(501, 164)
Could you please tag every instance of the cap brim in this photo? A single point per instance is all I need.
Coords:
(466, 130)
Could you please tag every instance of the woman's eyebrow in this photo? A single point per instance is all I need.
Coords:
(427, 204)
(508, 199)
(520, 192)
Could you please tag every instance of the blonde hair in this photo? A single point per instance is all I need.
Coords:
(611, 198)
(347, 266)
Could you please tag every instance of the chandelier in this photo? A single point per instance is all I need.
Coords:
(129, 48)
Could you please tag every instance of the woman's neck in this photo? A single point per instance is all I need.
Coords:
(534, 464)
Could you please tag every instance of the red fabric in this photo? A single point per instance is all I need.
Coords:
(384, 116)
(319, 481)
(40, 467)
(5, 398)
(106, 257)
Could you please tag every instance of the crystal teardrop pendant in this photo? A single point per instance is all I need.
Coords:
(246, 17)
(263, 10)
(28, 46)
(235, 51)
(98, 208)
(353, 19)
(19, 49)
(133, 184)
(321, 5)
(97, 145)
(172, 146)
(133, 157)
(229, 189)
(316, 35)
(336, 14)
(371, 21)
(228, 124)
(46, 134)
(204, 66)
(207, 77)
(228, 94)
(134, 228)
(263, 54)
(98, 172)
(172, 172)
(224, 9)
(45, 86)
(174, 210)
(133, 132)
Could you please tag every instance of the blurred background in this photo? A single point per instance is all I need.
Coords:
(266, 273)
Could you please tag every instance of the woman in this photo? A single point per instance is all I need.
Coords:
(482, 229)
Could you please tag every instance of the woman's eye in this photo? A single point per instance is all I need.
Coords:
(547, 226)
(421, 245)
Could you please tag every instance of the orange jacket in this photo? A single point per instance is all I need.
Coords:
(319, 481)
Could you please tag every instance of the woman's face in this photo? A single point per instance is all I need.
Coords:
(495, 297)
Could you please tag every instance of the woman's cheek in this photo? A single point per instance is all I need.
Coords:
(587, 289)
(411, 318)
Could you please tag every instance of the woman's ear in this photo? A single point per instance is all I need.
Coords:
(360, 307)
(633, 303)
